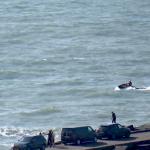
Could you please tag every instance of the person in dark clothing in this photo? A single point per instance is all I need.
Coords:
(126, 85)
(130, 83)
(113, 117)
(51, 141)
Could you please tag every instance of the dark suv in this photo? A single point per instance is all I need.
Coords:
(78, 135)
(112, 131)
(30, 143)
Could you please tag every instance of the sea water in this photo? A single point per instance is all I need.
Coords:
(60, 61)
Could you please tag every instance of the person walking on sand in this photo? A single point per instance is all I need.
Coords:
(113, 117)
(50, 141)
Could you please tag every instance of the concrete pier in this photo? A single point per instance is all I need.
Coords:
(135, 138)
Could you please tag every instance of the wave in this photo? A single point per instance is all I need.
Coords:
(9, 74)
(43, 111)
(17, 132)
(65, 82)
(12, 134)
(78, 58)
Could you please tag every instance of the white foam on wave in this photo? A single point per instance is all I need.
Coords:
(16, 132)
(130, 88)
(78, 58)
(127, 89)
(117, 89)
(12, 134)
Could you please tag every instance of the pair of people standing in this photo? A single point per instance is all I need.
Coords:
(51, 138)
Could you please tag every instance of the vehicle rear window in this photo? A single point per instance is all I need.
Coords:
(67, 133)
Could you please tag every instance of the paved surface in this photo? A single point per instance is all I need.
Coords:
(101, 143)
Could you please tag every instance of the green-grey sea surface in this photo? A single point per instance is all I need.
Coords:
(60, 61)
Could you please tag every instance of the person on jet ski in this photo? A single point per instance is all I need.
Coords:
(130, 83)
(125, 85)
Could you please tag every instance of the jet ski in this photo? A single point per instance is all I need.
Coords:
(125, 85)
(129, 86)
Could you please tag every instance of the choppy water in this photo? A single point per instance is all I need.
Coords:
(60, 61)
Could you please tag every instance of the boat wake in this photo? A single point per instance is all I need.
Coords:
(133, 88)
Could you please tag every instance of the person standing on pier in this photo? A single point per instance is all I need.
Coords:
(113, 117)
(51, 137)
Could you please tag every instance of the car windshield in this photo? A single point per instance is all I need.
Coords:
(25, 139)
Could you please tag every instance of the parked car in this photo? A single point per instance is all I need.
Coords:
(30, 143)
(113, 131)
(78, 135)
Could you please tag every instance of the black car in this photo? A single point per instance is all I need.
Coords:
(112, 131)
(78, 135)
(30, 143)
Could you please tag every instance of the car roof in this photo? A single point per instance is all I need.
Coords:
(110, 124)
(77, 127)
(31, 136)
